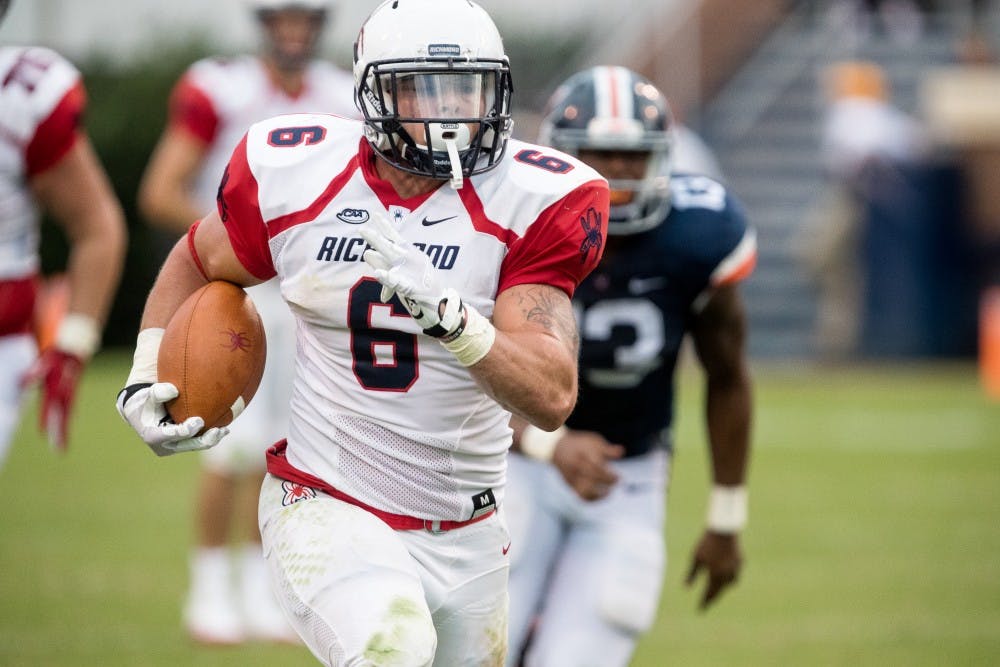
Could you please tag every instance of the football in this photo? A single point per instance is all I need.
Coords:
(213, 351)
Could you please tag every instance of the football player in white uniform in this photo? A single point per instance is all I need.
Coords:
(587, 502)
(429, 261)
(211, 107)
(47, 161)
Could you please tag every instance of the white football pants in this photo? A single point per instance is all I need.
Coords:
(17, 353)
(585, 577)
(360, 593)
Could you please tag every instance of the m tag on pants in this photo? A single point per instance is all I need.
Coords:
(483, 502)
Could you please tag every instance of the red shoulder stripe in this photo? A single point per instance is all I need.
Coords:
(284, 222)
(239, 210)
(192, 111)
(57, 133)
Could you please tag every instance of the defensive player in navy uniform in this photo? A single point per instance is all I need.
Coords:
(586, 503)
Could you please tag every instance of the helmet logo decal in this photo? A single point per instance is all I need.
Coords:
(374, 101)
(444, 50)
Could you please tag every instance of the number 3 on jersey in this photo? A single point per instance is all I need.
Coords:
(632, 360)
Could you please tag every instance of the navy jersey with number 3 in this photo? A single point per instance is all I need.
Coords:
(634, 310)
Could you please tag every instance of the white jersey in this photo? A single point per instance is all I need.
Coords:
(380, 411)
(217, 100)
(41, 99)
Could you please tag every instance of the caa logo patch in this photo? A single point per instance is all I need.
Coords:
(353, 216)
(296, 492)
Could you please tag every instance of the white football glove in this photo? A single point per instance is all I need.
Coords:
(142, 406)
(407, 272)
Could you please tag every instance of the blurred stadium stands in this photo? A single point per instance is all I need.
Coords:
(746, 75)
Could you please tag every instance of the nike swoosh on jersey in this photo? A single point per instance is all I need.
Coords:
(643, 285)
(427, 223)
(505, 549)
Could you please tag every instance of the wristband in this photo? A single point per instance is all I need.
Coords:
(727, 509)
(78, 334)
(475, 341)
(538, 444)
(147, 350)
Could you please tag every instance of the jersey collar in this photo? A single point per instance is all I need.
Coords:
(382, 188)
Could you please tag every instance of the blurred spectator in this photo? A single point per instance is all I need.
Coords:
(211, 107)
(961, 103)
(863, 125)
(867, 146)
(901, 20)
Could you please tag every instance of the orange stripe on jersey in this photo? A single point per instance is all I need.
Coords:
(739, 263)
(742, 271)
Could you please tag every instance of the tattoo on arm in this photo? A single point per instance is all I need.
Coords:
(544, 306)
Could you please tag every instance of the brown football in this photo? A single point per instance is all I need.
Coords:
(213, 351)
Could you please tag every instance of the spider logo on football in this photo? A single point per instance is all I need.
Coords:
(237, 341)
(213, 386)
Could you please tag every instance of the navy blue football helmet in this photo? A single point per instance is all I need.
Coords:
(614, 109)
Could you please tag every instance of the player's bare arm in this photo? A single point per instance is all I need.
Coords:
(204, 254)
(531, 369)
(181, 275)
(719, 334)
(76, 192)
(164, 193)
(582, 457)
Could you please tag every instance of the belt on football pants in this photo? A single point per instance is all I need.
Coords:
(17, 305)
(278, 465)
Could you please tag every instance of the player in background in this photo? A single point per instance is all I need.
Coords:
(586, 502)
(429, 261)
(211, 107)
(47, 162)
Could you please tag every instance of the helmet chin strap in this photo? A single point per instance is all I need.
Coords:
(456, 163)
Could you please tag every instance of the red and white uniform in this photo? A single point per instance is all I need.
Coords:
(216, 101)
(41, 101)
(388, 431)
(379, 411)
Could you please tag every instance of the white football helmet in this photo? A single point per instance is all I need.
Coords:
(615, 109)
(433, 82)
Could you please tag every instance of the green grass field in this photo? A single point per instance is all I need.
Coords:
(874, 536)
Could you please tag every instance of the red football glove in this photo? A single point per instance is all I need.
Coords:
(58, 373)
